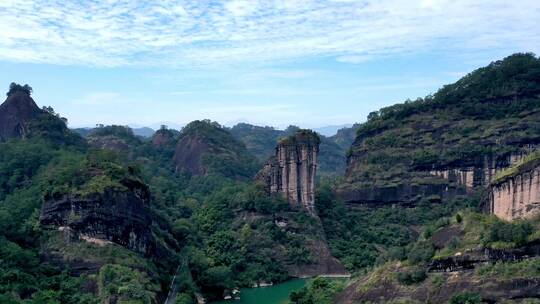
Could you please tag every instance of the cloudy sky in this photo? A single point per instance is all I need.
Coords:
(275, 62)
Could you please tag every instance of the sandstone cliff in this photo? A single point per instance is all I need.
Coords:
(116, 213)
(450, 143)
(16, 114)
(292, 170)
(515, 193)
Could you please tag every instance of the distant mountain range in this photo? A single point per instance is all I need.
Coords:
(147, 132)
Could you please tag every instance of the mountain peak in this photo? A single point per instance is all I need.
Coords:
(15, 113)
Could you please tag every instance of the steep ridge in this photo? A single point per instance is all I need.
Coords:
(110, 205)
(450, 143)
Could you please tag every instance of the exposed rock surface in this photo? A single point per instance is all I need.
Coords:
(516, 195)
(491, 289)
(189, 153)
(331, 161)
(119, 216)
(483, 172)
(472, 258)
(15, 115)
(457, 138)
(163, 138)
(206, 147)
(324, 264)
(292, 170)
(445, 182)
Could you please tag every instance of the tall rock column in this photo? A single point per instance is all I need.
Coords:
(292, 170)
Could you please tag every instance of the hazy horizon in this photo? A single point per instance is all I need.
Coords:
(275, 63)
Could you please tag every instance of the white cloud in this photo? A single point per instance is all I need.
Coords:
(179, 33)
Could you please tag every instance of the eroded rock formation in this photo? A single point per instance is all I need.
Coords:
(15, 115)
(114, 215)
(483, 171)
(292, 170)
(444, 182)
(516, 195)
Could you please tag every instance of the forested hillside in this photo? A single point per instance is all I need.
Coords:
(110, 218)
(113, 217)
(450, 142)
(417, 175)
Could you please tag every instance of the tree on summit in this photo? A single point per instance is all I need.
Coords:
(15, 87)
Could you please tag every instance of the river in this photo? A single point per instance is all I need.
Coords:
(276, 294)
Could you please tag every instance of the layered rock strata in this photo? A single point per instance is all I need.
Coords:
(291, 172)
(114, 215)
(516, 195)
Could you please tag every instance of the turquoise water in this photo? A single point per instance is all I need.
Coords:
(276, 294)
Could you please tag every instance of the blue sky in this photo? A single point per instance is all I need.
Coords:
(274, 62)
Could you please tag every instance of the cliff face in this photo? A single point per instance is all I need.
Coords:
(483, 171)
(188, 155)
(516, 195)
(115, 215)
(452, 142)
(15, 115)
(292, 171)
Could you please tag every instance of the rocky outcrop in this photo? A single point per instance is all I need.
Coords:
(291, 172)
(188, 155)
(481, 172)
(443, 182)
(15, 115)
(323, 263)
(115, 215)
(461, 136)
(163, 138)
(516, 194)
(478, 256)
(205, 147)
(491, 289)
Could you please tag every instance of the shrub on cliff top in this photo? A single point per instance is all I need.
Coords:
(15, 87)
(529, 162)
(301, 136)
(466, 298)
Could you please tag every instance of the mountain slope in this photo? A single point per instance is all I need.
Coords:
(450, 143)
(204, 147)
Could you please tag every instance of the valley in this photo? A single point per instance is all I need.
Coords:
(435, 200)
